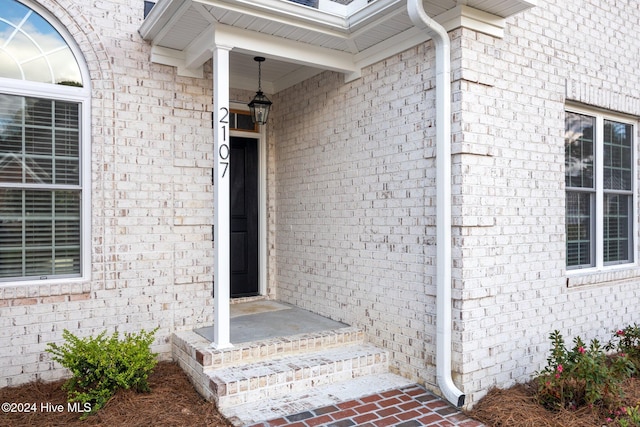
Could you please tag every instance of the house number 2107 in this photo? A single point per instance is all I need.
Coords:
(223, 151)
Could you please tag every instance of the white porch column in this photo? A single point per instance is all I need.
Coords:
(221, 217)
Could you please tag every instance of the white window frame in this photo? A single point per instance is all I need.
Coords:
(81, 95)
(598, 243)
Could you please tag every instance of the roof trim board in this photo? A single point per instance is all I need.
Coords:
(342, 38)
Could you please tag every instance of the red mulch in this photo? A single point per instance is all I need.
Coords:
(172, 402)
(518, 407)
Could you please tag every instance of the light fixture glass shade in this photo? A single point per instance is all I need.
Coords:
(259, 107)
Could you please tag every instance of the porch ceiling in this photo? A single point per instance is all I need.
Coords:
(301, 41)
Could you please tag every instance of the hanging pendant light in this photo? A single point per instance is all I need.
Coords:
(260, 104)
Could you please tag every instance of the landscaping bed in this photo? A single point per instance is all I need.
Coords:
(518, 407)
(172, 402)
(582, 386)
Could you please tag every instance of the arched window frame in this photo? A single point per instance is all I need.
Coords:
(82, 96)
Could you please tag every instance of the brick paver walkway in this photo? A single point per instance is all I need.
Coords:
(406, 407)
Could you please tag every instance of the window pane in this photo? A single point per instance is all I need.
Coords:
(40, 141)
(38, 223)
(39, 228)
(20, 47)
(31, 49)
(67, 143)
(579, 150)
(8, 68)
(11, 226)
(244, 122)
(65, 69)
(39, 233)
(37, 70)
(11, 110)
(37, 140)
(617, 156)
(579, 226)
(10, 168)
(617, 226)
(312, 3)
(241, 120)
(67, 115)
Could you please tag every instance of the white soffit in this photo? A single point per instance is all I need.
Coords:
(301, 41)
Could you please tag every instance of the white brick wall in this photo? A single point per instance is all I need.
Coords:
(351, 196)
(354, 203)
(355, 197)
(151, 201)
(509, 197)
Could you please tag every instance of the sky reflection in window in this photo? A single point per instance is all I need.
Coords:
(31, 49)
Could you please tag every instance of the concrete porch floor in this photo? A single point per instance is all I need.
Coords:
(263, 319)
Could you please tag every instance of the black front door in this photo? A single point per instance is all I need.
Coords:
(243, 188)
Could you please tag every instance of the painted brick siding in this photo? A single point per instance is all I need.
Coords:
(355, 210)
(151, 201)
(350, 196)
(510, 283)
(355, 194)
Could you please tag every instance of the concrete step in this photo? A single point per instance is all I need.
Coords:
(195, 355)
(266, 379)
(313, 398)
(200, 350)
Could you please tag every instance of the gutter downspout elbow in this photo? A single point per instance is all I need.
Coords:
(443, 199)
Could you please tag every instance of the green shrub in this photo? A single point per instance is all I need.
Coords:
(627, 342)
(581, 376)
(101, 365)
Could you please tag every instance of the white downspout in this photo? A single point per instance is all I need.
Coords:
(443, 199)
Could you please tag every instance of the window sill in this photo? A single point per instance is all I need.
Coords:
(44, 288)
(576, 278)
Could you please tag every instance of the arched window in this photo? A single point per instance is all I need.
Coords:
(32, 49)
(44, 150)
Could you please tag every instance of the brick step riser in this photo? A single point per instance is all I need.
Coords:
(285, 383)
(212, 359)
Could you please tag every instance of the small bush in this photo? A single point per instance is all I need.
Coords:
(627, 342)
(581, 376)
(101, 365)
